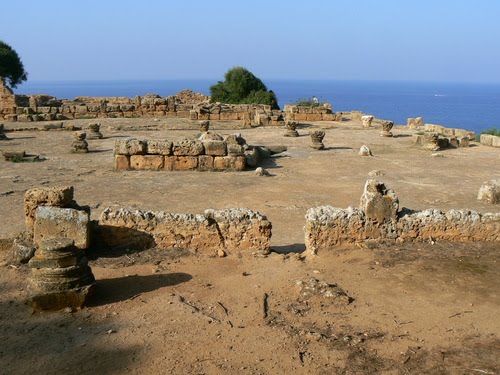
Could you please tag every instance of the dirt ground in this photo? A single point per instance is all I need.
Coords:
(397, 309)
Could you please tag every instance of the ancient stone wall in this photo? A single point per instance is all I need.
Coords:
(310, 113)
(181, 155)
(490, 140)
(216, 232)
(378, 219)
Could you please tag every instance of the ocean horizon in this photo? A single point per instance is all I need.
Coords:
(472, 106)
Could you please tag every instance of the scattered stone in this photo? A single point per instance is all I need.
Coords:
(53, 126)
(23, 248)
(415, 123)
(367, 120)
(375, 173)
(60, 276)
(386, 129)
(204, 126)
(379, 203)
(317, 139)
(431, 141)
(464, 142)
(437, 155)
(261, 172)
(79, 145)
(291, 129)
(3, 137)
(490, 192)
(313, 287)
(365, 151)
(94, 131)
(13, 155)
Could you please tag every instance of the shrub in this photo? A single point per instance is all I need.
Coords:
(308, 102)
(240, 86)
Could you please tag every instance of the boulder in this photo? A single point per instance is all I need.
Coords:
(379, 203)
(490, 192)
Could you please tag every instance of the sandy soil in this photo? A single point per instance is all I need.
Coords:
(414, 308)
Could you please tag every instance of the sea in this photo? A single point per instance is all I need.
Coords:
(472, 106)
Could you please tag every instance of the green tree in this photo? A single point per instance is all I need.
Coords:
(240, 86)
(11, 66)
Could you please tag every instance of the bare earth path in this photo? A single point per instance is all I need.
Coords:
(417, 308)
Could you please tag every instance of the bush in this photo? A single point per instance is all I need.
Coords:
(308, 102)
(11, 66)
(240, 86)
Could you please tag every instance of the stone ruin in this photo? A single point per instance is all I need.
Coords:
(490, 192)
(379, 218)
(60, 276)
(367, 120)
(94, 131)
(80, 144)
(415, 123)
(204, 126)
(293, 112)
(216, 232)
(291, 129)
(437, 137)
(386, 129)
(317, 139)
(489, 140)
(3, 137)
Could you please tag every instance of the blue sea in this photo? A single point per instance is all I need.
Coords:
(472, 106)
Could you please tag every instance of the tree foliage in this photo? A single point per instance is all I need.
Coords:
(240, 86)
(11, 66)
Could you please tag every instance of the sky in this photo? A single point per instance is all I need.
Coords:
(409, 40)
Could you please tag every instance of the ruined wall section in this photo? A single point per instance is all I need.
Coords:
(323, 112)
(216, 232)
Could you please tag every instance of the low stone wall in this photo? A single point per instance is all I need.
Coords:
(216, 232)
(450, 132)
(490, 140)
(377, 219)
(187, 154)
(310, 113)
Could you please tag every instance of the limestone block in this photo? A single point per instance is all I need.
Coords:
(159, 147)
(205, 163)
(184, 163)
(367, 121)
(490, 192)
(379, 203)
(235, 149)
(486, 139)
(215, 148)
(55, 222)
(169, 163)
(148, 162)
(122, 162)
(209, 136)
(463, 142)
(229, 163)
(50, 196)
(130, 147)
(187, 147)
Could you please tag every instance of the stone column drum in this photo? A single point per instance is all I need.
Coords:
(317, 139)
(60, 276)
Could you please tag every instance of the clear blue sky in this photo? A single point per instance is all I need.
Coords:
(428, 40)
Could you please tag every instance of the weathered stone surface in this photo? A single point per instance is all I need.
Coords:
(261, 172)
(130, 147)
(209, 136)
(205, 163)
(50, 196)
(158, 147)
(252, 156)
(291, 129)
(23, 248)
(364, 151)
(79, 145)
(379, 203)
(230, 163)
(122, 162)
(55, 222)
(147, 162)
(386, 129)
(60, 276)
(204, 125)
(489, 140)
(367, 120)
(317, 139)
(235, 139)
(94, 131)
(215, 148)
(490, 192)
(415, 123)
(235, 149)
(187, 147)
(230, 230)
(181, 163)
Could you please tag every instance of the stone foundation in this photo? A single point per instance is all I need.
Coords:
(490, 140)
(183, 155)
(327, 227)
(215, 232)
(310, 113)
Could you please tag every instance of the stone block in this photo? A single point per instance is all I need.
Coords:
(379, 203)
(122, 162)
(235, 149)
(229, 163)
(50, 196)
(159, 147)
(146, 162)
(185, 163)
(55, 222)
(130, 147)
(463, 142)
(490, 192)
(215, 148)
(205, 163)
(187, 147)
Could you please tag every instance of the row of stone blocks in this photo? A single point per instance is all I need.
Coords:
(203, 155)
(379, 218)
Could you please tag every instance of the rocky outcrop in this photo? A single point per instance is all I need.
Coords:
(215, 232)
